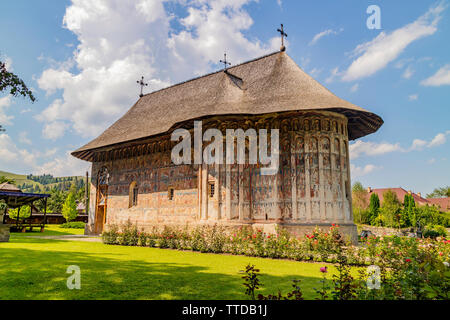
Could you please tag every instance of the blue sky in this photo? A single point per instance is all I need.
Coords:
(83, 59)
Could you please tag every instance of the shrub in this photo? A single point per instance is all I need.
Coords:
(111, 236)
(130, 235)
(434, 231)
(73, 225)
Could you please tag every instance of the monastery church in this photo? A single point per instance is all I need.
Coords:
(133, 178)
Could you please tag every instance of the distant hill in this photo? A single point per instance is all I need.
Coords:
(43, 183)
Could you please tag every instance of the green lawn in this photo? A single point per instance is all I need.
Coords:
(32, 268)
(50, 230)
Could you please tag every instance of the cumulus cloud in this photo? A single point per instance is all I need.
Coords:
(23, 138)
(376, 54)
(324, 33)
(5, 102)
(13, 157)
(66, 165)
(54, 130)
(440, 78)
(439, 139)
(119, 41)
(16, 159)
(371, 148)
(362, 171)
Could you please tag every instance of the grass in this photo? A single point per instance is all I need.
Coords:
(32, 268)
(50, 230)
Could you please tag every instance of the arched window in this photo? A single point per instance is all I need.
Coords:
(133, 194)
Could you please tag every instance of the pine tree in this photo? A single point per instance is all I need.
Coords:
(374, 208)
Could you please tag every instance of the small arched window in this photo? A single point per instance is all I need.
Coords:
(133, 195)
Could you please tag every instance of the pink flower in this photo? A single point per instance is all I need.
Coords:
(323, 269)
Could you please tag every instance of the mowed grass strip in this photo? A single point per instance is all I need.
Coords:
(33, 268)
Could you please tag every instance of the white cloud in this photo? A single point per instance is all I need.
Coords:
(19, 160)
(322, 34)
(333, 74)
(25, 110)
(13, 157)
(362, 171)
(413, 97)
(5, 102)
(431, 161)
(354, 88)
(376, 54)
(54, 130)
(371, 148)
(438, 140)
(23, 138)
(119, 41)
(408, 73)
(440, 78)
(418, 144)
(360, 147)
(314, 72)
(66, 165)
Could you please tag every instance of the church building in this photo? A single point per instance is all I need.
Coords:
(133, 178)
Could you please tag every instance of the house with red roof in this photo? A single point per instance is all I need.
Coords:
(442, 203)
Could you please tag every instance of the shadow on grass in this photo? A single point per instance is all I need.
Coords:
(36, 232)
(34, 274)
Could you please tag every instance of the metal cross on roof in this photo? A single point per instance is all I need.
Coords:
(142, 84)
(283, 35)
(225, 62)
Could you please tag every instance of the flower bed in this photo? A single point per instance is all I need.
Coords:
(318, 246)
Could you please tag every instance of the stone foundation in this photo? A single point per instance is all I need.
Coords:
(4, 233)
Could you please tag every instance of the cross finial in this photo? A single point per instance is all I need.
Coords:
(225, 62)
(142, 84)
(283, 35)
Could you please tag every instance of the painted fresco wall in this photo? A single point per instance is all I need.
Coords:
(312, 185)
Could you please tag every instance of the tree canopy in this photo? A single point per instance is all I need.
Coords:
(12, 83)
(443, 192)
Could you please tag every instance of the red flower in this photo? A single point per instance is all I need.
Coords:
(408, 260)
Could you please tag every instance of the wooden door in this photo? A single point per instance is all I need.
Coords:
(101, 207)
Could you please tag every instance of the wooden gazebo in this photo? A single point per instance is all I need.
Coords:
(15, 198)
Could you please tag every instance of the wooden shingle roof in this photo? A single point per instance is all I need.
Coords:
(272, 83)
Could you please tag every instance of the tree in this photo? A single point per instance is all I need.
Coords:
(4, 179)
(374, 208)
(69, 209)
(391, 210)
(360, 203)
(443, 192)
(15, 85)
(56, 200)
(409, 211)
(25, 212)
